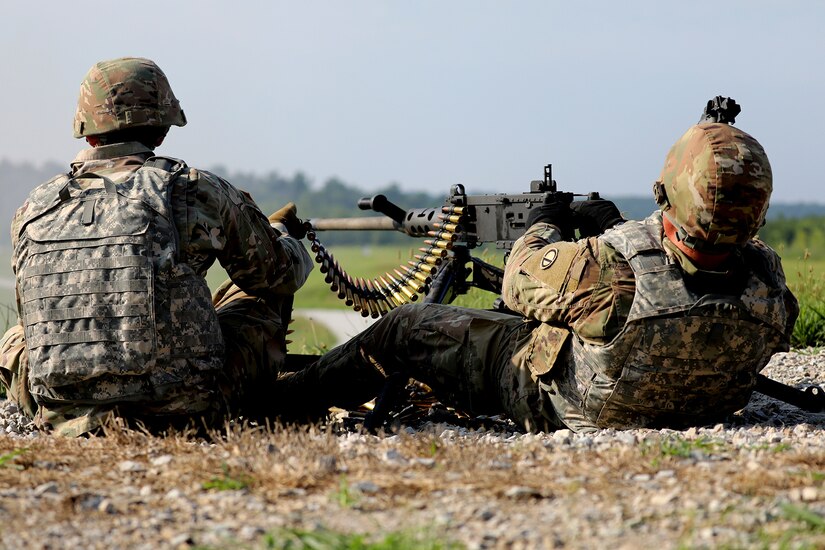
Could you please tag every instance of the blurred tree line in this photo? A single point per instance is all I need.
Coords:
(794, 237)
(791, 228)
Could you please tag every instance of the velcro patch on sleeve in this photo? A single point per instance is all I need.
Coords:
(551, 264)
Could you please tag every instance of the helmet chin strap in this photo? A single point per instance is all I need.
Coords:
(702, 259)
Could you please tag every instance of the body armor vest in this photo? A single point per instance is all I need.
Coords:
(108, 304)
(684, 356)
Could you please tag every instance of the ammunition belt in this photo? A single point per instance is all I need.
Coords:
(377, 296)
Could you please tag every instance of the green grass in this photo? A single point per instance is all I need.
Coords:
(806, 278)
(226, 482)
(679, 447)
(7, 460)
(309, 337)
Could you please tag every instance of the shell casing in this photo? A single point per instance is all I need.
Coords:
(336, 282)
(438, 252)
(348, 293)
(415, 284)
(408, 277)
(409, 292)
(453, 209)
(373, 308)
(411, 296)
(386, 294)
(382, 309)
(356, 288)
(451, 218)
(408, 280)
(356, 300)
(315, 247)
(424, 267)
(368, 298)
(446, 245)
(380, 301)
(443, 235)
(357, 293)
(451, 227)
(394, 291)
(374, 313)
(427, 259)
(417, 274)
(324, 265)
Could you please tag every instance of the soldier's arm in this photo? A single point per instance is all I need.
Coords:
(538, 273)
(584, 285)
(258, 258)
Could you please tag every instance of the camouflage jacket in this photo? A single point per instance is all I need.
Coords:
(697, 338)
(215, 221)
(212, 220)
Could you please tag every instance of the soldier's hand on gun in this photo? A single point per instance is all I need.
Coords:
(594, 217)
(286, 220)
(555, 213)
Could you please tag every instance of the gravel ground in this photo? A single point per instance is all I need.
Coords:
(755, 481)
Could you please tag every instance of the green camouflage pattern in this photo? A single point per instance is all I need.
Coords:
(125, 93)
(465, 355)
(213, 220)
(104, 300)
(587, 288)
(614, 336)
(718, 182)
(662, 352)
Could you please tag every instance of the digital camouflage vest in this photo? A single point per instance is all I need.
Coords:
(683, 358)
(106, 301)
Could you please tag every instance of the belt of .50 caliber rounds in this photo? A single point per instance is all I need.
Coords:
(375, 297)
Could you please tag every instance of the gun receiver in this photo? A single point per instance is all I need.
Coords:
(498, 218)
(442, 269)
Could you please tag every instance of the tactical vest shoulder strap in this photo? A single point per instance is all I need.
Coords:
(167, 164)
(638, 243)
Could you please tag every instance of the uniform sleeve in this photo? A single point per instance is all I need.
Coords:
(584, 285)
(225, 223)
(537, 274)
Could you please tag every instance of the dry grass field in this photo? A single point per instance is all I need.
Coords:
(748, 484)
(757, 481)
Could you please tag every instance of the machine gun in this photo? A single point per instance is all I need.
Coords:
(442, 270)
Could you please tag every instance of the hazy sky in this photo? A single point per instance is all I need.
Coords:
(431, 93)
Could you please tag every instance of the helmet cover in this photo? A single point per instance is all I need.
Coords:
(125, 93)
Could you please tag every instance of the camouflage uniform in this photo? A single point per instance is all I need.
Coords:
(619, 330)
(188, 373)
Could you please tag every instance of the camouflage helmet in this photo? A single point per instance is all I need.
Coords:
(715, 187)
(125, 93)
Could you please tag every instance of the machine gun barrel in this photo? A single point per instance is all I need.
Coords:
(368, 223)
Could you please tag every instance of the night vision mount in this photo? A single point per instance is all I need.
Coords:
(720, 109)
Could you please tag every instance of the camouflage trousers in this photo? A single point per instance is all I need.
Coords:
(469, 357)
(254, 337)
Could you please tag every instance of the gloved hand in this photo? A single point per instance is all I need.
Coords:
(287, 218)
(556, 213)
(594, 217)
